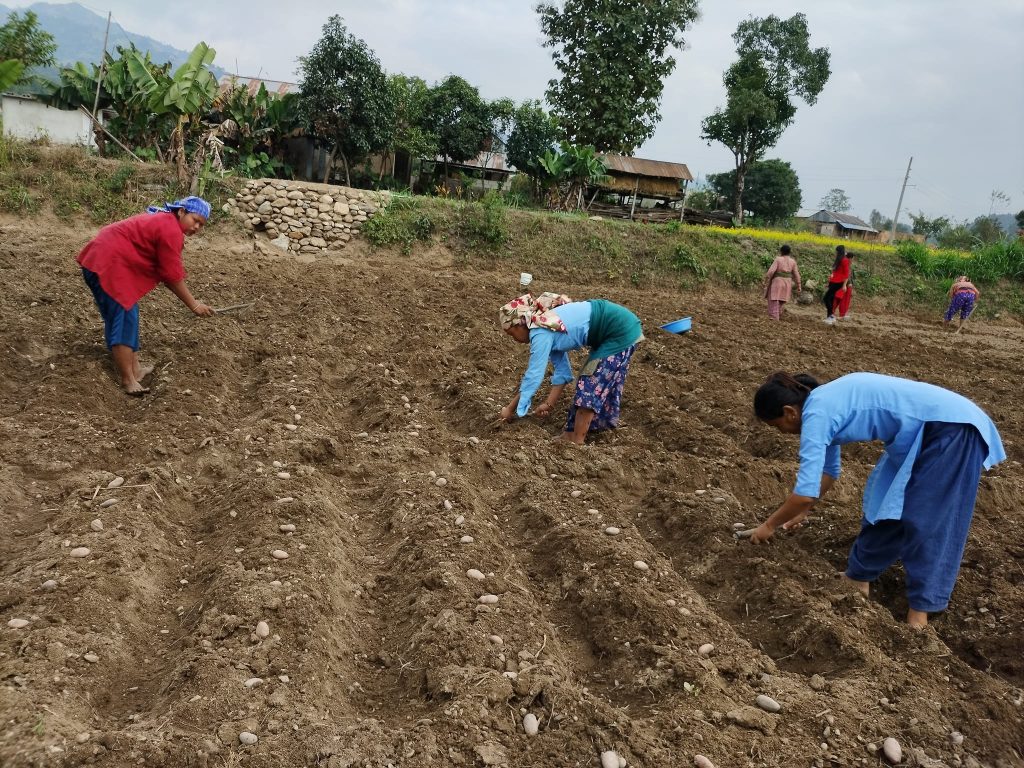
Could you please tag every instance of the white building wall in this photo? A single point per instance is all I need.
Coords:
(30, 119)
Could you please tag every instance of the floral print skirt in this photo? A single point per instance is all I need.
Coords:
(601, 392)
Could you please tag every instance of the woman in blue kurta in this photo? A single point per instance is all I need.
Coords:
(918, 501)
(553, 325)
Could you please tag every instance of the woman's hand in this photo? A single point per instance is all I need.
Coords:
(204, 310)
(507, 414)
(761, 534)
(796, 522)
(543, 410)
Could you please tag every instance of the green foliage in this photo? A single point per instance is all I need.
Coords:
(460, 119)
(985, 264)
(401, 223)
(775, 64)
(534, 132)
(24, 41)
(927, 227)
(345, 95)
(484, 223)
(411, 134)
(568, 172)
(703, 198)
(986, 229)
(10, 73)
(835, 200)
(613, 58)
(684, 259)
(1019, 217)
(771, 190)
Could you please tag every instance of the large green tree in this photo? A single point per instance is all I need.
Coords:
(24, 41)
(534, 132)
(928, 227)
(459, 117)
(613, 57)
(344, 96)
(775, 65)
(772, 189)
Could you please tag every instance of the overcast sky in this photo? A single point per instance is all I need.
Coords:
(940, 80)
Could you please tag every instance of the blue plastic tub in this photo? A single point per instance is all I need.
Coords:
(678, 326)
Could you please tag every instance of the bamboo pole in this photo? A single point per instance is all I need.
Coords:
(103, 128)
(636, 189)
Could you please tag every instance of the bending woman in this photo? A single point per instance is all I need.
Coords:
(918, 501)
(610, 331)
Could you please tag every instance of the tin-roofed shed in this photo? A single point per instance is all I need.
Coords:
(651, 178)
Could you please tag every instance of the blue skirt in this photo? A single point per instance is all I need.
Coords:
(120, 325)
(938, 505)
(601, 392)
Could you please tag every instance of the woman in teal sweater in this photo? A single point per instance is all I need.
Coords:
(609, 330)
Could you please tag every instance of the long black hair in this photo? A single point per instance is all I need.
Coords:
(840, 253)
(781, 389)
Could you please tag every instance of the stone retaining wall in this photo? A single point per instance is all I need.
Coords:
(304, 217)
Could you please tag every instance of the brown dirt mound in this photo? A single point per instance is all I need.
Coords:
(379, 652)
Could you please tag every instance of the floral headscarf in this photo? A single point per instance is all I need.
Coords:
(534, 312)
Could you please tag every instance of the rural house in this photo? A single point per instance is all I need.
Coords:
(842, 225)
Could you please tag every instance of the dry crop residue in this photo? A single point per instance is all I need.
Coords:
(347, 421)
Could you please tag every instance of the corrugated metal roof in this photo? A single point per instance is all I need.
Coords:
(638, 166)
(844, 220)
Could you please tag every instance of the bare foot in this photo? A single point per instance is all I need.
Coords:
(862, 586)
(134, 388)
(570, 438)
(143, 371)
(917, 619)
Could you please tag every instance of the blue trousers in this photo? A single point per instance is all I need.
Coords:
(120, 325)
(937, 509)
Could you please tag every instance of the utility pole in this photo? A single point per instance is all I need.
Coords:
(102, 68)
(899, 205)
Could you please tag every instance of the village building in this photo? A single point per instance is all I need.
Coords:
(841, 225)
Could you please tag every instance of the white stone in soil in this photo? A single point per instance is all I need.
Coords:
(767, 703)
(706, 650)
(80, 552)
(279, 554)
(530, 724)
(466, 540)
(487, 599)
(291, 428)
(108, 503)
(460, 520)
(286, 528)
(252, 682)
(576, 494)
(262, 630)
(640, 565)
(441, 482)
(956, 737)
(611, 530)
(610, 759)
(117, 482)
(700, 492)
(49, 585)
(96, 525)
(17, 623)
(284, 475)
(719, 500)
(702, 762)
(248, 739)
(278, 464)
(474, 574)
(447, 505)
(83, 737)
(496, 639)
(892, 750)
(475, 440)
(285, 500)
(739, 526)
(92, 658)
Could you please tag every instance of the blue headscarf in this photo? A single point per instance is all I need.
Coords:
(191, 204)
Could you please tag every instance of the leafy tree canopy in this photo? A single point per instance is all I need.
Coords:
(922, 225)
(775, 65)
(459, 117)
(411, 133)
(344, 94)
(836, 200)
(613, 56)
(534, 132)
(24, 41)
(772, 191)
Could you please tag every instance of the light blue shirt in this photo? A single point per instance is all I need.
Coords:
(554, 347)
(862, 407)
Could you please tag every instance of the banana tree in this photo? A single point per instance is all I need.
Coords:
(184, 97)
(568, 172)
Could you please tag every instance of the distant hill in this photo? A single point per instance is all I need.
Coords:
(79, 35)
(1007, 222)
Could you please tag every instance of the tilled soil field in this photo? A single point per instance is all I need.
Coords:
(347, 423)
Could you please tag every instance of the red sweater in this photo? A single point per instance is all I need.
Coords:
(841, 273)
(131, 257)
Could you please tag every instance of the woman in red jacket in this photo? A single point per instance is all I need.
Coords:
(837, 281)
(125, 261)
